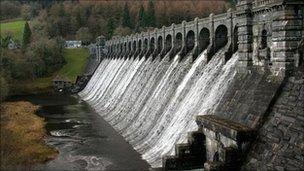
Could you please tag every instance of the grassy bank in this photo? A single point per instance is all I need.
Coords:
(22, 134)
(76, 62)
(15, 28)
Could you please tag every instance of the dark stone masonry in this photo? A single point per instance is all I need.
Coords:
(280, 142)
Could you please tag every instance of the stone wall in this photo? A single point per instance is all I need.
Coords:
(280, 142)
(247, 100)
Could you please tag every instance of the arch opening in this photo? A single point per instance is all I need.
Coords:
(221, 37)
(129, 47)
(204, 39)
(159, 44)
(216, 157)
(168, 43)
(263, 39)
(152, 44)
(134, 47)
(112, 49)
(264, 50)
(125, 48)
(139, 48)
(122, 50)
(235, 39)
(190, 41)
(116, 50)
(178, 42)
(119, 50)
(145, 48)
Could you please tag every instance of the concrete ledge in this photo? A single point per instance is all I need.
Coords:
(230, 129)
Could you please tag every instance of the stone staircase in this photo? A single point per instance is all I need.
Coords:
(219, 144)
(189, 155)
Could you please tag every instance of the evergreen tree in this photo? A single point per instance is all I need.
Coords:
(26, 35)
(141, 17)
(126, 19)
(110, 27)
(150, 15)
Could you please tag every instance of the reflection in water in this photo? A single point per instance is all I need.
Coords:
(92, 162)
(84, 140)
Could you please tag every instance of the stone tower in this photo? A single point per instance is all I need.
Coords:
(270, 32)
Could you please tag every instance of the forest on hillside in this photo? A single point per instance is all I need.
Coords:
(85, 20)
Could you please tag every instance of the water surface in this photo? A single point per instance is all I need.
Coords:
(84, 140)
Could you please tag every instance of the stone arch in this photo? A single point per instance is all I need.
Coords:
(129, 49)
(204, 39)
(134, 46)
(116, 50)
(145, 47)
(125, 47)
(122, 49)
(263, 42)
(264, 50)
(159, 44)
(168, 43)
(235, 39)
(139, 45)
(178, 41)
(152, 44)
(190, 41)
(221, 37)
(112, 49)
(216, 157)
(133, 50)
(129, 46)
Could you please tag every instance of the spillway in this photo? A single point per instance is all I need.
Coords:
(153, 103)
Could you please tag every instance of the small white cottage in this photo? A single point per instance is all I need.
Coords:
(72, 44)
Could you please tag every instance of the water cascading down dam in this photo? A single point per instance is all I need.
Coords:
(204, 93)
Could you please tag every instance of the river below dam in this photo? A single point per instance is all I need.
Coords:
(84, 140)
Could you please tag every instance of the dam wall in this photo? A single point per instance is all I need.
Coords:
(203, 93)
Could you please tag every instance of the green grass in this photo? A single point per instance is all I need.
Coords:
(14, 27)
(76, 61)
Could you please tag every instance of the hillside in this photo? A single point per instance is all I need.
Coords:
(15, 28)
(76, 62)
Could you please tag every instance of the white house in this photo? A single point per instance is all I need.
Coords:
(72, 44)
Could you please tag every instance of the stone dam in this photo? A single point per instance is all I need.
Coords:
(219, 93)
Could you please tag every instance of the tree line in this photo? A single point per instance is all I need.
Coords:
(72, 19)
